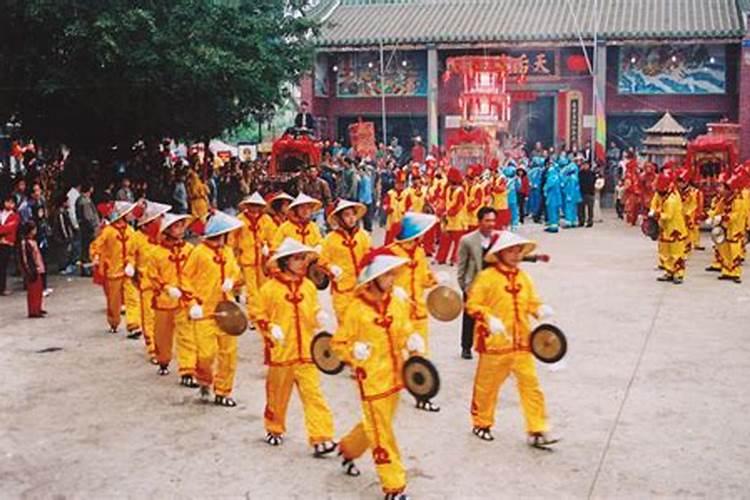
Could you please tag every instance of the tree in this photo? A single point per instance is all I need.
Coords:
(98, 73)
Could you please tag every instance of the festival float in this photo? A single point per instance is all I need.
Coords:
(290, 155)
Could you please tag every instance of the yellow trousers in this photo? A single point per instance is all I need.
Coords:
(695, 236)
(132, 305)
(170, 325)
(420, 327)
(113, 291)
(375, 433)
(672, 256)
(492, 370)
(254, 278)
(279, 383)
(147, 321)
(729, 258)
(215, 347)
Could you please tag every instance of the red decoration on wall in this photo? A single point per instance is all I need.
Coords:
(577, 63)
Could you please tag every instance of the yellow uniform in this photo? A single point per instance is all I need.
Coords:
(416, 278)
(206, 270)
(143, 249)
(689, 208)
(385, 327)
(346, 250)
(198, 194)
(475, 201)
(395, 207)
(114, 250)
(655, 207)
(729, 254)
(498, 191)
(248, 243)
(307, 234)
(672, 235)
(292, 305)
(455, 209)
(509, 295)
(415, 199)
(167, 269)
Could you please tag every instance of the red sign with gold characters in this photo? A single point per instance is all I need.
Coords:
(362, 138)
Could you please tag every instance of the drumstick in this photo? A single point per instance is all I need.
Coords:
(538, 257)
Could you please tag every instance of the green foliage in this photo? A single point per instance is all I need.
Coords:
(93, 73)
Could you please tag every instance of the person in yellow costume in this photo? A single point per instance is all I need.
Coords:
(689, 196)
(343, 250)
(730, 213)
(475, 195)
(416, 194)
(673, 233)
(454, 219)
(198, 195)
(299, 224)
(394, 205)
(212, 273)
(415, 278)
(115, 261)
(171, 291)
(251, 243)
(145, 242)
(503, 301)
(289, 315)
(375, 333)
(278, 204)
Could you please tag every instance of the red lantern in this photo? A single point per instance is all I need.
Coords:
(577, 63)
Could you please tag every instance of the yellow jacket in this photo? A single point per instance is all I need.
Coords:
(509, 295)
(346, 251)
(671, 219)
(248, 241)
(198, 194)
(167, 268)
(497, 189)
(657, 201)
(292, 304)
(307, 234)
(415, 199)
(455, 208)
(689, 205)
(395, 206)
(205, 271)
(475, 201)
(385, 327)
(415, 277)
(143, 250)
(114, 250)
(733, 213)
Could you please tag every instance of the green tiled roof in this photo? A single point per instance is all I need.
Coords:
(367, 22)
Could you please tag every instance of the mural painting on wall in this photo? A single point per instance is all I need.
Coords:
(672, 69)
(321, 75)
(628, 130)
(358, 75)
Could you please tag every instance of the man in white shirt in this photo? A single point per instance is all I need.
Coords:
(73, 194)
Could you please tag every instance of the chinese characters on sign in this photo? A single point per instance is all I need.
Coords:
(533, 63)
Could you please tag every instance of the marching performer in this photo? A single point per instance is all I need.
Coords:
(343, 250)
(113, 250)
(436, 204)
(145, 242)
(497, 192)
(212, 273)
(689, 196)
(415, 278)
(503, 300)
(299, 224)
(672, 230)
(288, 315)
(278, 205)
(198, 195)
(395, 205)
(632, 192)
(375, 331)
(455, 207)
(171, 290)
(730, 213)
(251, 243)
(474, 196)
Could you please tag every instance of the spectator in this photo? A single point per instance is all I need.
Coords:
(32, 267)
(36, 210)
(524, 188)
(179, 195)
(9, 222)
(587, 180)
(64, 234)
(125, 193)
(73, 193)
(88, 223)
(364, 194)
(19, 192)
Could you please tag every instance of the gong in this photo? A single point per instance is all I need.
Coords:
(230, 317)
(650, 228)
(318, 276)
(421, 378)
(548, 343)
(444, 303)
(323, 356)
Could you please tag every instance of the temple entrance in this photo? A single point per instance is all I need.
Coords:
(534, 120)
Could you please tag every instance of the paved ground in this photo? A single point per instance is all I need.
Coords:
(652, 401)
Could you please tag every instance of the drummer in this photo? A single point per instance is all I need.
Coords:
(415, 278)
(502, 300)
(212, 274)
(343, 249)
(288, 315)
(730, 214)
(299, 225)
(375, 330)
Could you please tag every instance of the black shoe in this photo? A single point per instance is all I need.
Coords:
(466, 354)
(188, 381)
(590, 224)
(666, 277)
(712, 269)
(135, 334)
(163, 370)
(677, 281)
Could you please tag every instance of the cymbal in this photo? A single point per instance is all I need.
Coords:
(444, 303)
(230, 317)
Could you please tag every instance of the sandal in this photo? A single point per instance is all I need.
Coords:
(322, 449)
(135, 334)
(274, 439)
(188, 381)
(163, 370)
(350, 468)
(427, 405)
(225, 401)
(396, 496)
(483, 433)
(112, 330)
(204, 393)
(666, 277)
(540, 441)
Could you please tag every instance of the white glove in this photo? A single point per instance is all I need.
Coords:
(496, 325)
(651, 213)
(442, 277)
(400, 293)
(415, 343)
(264, 250)
(277, 333)
(174, 292)
(336, 271)
(196, 312)
(716, 221)
(243, 299)
(227, 286)
(322, 317)
(545, 312)
(129, 270)
(361, 351)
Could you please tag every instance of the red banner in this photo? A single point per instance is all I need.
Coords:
(362, 138)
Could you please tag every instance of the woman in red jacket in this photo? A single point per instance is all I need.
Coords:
(9, 221)
(523, 192)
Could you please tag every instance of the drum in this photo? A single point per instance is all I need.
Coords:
(323, 356)
(230, 317)
(318, 276)
(421, 378)
(650, 228)
(548, 343)
(718, 235)
(444, 303)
